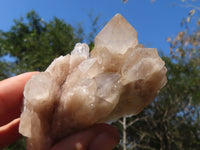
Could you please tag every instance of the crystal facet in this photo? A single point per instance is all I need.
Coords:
(119, 77)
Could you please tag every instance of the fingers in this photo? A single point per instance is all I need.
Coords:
(9, 133)
(11, 95)
(15, 113)
(98, 137)
(103, 141)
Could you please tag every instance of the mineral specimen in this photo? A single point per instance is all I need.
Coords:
(119, 77)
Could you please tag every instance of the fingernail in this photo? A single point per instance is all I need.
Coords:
(104, 141)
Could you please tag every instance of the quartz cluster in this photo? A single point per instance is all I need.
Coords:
(119, 77)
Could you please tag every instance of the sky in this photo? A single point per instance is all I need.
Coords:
(154, 22)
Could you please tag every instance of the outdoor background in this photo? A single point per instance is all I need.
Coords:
(33, 33)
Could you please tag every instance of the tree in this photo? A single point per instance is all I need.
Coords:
(4, 67)
(172, 120)
(33, 43)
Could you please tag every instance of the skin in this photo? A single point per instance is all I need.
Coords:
(97, 137)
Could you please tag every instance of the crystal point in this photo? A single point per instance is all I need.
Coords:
(117, 36)
(120, 77)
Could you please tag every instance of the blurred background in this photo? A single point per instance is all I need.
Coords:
(33, 33)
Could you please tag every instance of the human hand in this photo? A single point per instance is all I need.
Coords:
(11, 96)
(97, 137)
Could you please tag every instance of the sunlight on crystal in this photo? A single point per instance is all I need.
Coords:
(119, 78)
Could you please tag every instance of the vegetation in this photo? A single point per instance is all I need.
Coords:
(33, 45)
(172, 119)
(171, 122)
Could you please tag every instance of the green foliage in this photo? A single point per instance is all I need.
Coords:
(4, 67)
(34, 43)
(19, 145)
(172, 121)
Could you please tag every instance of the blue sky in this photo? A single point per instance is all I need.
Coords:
(154, 22)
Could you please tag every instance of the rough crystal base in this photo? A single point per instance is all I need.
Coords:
(119, 77)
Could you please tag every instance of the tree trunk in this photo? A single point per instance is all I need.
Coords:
(124, 133)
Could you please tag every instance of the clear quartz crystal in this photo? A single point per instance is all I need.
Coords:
(119, 77)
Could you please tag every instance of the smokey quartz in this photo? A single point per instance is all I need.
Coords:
(120, 77)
